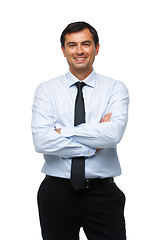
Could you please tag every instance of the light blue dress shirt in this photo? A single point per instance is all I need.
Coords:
(53, 108)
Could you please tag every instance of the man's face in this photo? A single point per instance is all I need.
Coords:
(80, 51)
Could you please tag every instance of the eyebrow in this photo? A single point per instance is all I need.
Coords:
(87, 41)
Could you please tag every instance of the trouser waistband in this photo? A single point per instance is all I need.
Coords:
(89, 183)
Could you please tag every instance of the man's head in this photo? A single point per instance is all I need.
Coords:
(77, 27)
(80, 45)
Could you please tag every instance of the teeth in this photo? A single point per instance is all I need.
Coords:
(80, 58)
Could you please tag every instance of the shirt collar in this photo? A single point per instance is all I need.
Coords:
(90, 80)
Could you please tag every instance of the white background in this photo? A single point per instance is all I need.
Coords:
(30, 53)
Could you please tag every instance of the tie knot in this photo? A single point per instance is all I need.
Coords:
(80, 85)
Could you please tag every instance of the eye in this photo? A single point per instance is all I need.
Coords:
(86, 44)
(72, 45)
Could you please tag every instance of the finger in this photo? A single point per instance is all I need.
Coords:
(106, 118)
(108, 115)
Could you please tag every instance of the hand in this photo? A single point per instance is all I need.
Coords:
(106, 118)
(58, 130)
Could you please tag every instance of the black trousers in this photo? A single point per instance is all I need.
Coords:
(63, 211)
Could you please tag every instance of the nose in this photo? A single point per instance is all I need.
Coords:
(79, 50)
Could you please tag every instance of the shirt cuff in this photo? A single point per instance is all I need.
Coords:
(85, 150)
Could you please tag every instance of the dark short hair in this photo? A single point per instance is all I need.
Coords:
(77, 27)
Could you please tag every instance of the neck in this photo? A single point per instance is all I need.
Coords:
(81, 74)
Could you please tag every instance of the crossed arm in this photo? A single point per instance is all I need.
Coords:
(82, 140)
(106, 118)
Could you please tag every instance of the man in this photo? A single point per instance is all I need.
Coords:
(78, 119)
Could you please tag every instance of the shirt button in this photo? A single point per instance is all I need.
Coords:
(89, 153)
(69, 154)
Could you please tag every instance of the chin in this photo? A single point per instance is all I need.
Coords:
(80, 67)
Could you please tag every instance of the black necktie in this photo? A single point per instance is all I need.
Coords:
(78, 163)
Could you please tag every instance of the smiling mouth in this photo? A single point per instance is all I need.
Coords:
(80, 59)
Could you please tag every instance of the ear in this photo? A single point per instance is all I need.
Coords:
(97, 49)
(63, 50)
